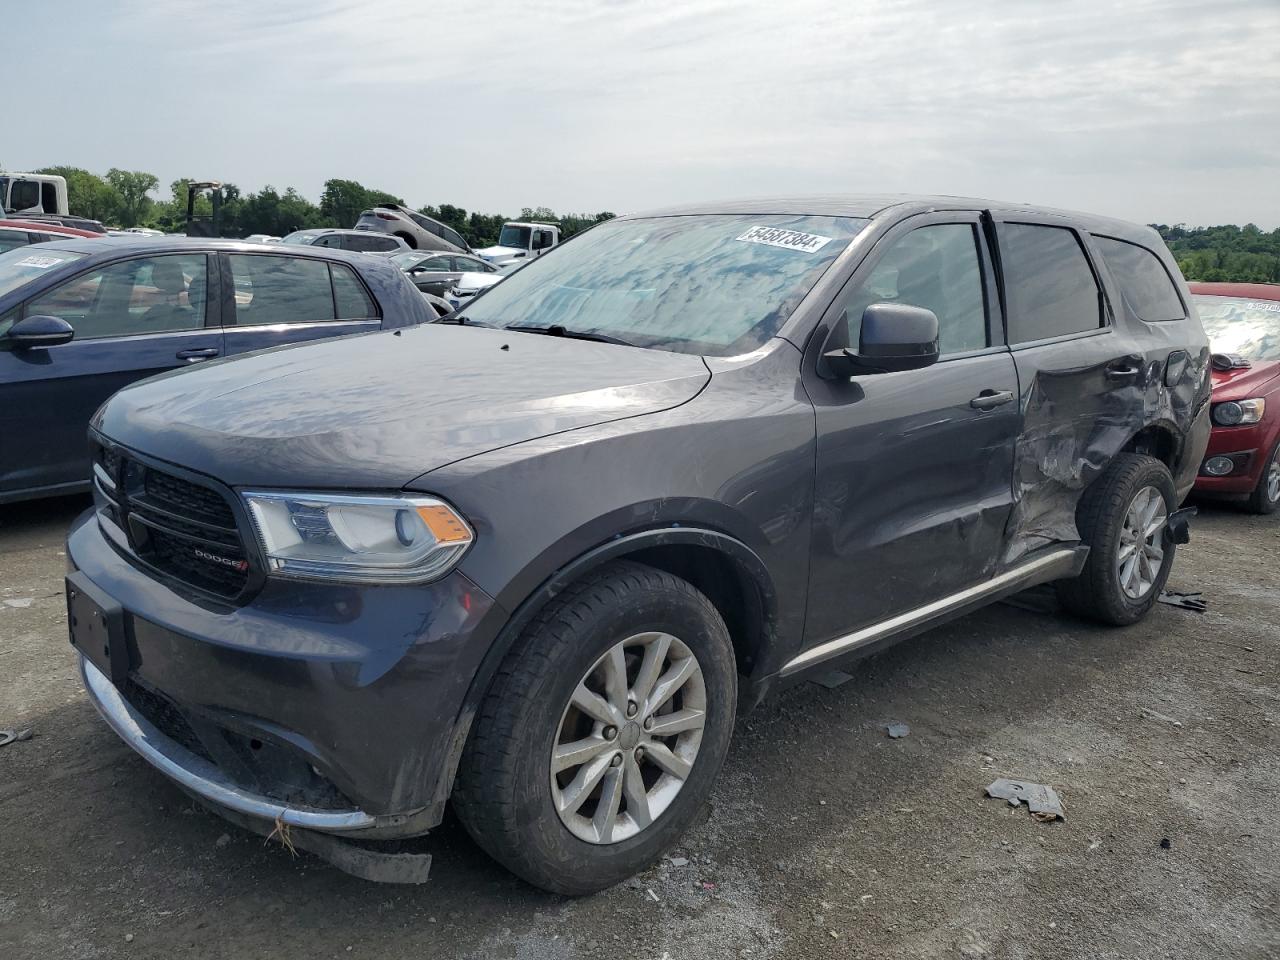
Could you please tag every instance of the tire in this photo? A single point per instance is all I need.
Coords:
(1098, 593)
(409, 239)
(1262, 500)
(508, 796)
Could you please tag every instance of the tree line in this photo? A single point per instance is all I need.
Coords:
(126, 198)
(1239, 254)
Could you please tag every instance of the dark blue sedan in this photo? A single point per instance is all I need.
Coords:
(79, 319)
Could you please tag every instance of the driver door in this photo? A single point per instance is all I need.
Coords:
(914, 468)
(132, 319)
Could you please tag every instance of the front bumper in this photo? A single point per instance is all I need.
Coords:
(1249, 446)
(331, 707)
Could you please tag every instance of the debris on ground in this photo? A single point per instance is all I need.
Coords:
(832, 679)
(1184, 601)
(13, 736)
(1165, 843)
(652, 896)
(1042, 801)
(222, 840)
(20, 603)
(1160, 716)
(678, 861)
(898, 730)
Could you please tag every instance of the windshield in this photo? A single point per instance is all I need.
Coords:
(1241, 326)
(718, 284)
(512, 236)
(26, 263)
(300, 236)
(406, 260)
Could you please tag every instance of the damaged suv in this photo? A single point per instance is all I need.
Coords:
(534, 559)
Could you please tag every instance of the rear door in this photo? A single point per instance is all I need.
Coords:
(914, 469)
(1080, 376)
(435, 275)
(271, 299)
(132, 318)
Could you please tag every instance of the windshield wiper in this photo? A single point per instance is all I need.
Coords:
(460, 320)
(556, 330)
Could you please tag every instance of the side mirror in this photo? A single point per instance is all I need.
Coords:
(33, 332)
(894, 337)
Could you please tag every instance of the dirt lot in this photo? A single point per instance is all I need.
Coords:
(824, 839)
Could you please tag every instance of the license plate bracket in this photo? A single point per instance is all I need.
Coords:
(96, 624)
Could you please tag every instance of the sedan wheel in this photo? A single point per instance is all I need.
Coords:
(628, 738)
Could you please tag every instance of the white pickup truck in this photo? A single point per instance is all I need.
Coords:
(521, 241)
(33, 193)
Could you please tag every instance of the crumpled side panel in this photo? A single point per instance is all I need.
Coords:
(1076, 419)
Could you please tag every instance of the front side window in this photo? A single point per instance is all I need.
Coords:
(435, 265)
(1051, 288)
(471, 265)
(273, 289)
(1143, 280)
(935, 267)
(148, 295)
(707, 284)
(1240, 325)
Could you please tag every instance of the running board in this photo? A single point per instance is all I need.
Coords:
(1051, 566)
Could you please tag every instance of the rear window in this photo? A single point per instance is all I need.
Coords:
(1147, 287)
(20, 265)
(1051, 288)
(272, 289)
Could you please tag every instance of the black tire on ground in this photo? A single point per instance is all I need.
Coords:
(1260, 500)
(503, 792)
(1096, 593)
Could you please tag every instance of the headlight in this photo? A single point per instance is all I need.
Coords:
(1235, 413)
(367, 539)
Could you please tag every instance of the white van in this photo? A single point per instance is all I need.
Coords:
(33, 193)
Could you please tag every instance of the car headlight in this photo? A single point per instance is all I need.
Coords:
(366, 539)
(1236, 413)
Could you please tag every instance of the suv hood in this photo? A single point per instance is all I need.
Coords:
(1244, 383)
(379, 410)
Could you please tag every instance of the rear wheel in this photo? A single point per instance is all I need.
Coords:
(408, 238)
(1122, 517)
(1266, 495)
(603, 732)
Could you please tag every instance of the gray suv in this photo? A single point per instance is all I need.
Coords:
(535, 559)
(418, 231)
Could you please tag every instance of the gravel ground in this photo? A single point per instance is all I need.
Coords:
(825, 838)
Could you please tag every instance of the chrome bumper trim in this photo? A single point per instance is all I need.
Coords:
(198, 775)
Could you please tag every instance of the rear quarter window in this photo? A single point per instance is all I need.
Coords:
(1143, 280)
(1051, 288)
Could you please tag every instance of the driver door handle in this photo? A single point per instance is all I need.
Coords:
(990, 399)
(191, 356)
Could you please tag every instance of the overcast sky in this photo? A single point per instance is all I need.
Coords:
(1153, 111)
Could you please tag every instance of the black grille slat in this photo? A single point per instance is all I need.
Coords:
(178, 527)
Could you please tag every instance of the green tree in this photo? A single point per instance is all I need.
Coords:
(88, 195)
(342, 201)
(133, 187)
(1225, 252)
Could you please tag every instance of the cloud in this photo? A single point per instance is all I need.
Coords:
(1152, 110)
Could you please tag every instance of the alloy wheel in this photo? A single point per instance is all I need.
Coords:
(1141, 551)
(1273, 476)
(628, 738)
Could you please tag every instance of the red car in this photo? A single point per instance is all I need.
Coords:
(1243, 459)
(21, 233)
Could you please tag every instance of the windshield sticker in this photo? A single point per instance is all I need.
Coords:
(1271, 306)
(789, 239)
(41, 263)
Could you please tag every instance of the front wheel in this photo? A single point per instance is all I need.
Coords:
(603, 732)
(1122, 517)
(1266, 495)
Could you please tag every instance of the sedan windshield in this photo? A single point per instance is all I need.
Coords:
(1241, 326)
(20, 265)
(715, 284)
(406, 260)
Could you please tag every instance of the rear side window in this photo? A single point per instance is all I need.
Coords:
(349, 295)
(272, 289)
(1051, 288)
(1147, 287)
